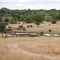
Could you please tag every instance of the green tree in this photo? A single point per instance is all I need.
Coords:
(2, 27)
(48, 18)
(38, 18)
(53, 21)
(13, 20)
(4, 10)
(6, 20)
(57, 16)
(28, 19)
(0, 19)
(22, 18)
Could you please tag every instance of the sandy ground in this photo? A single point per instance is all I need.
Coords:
(27, 48)
(32, 48)
(45, 26)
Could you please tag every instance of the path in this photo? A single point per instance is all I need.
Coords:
(13, 47)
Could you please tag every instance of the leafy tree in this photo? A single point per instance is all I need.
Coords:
(50, 31)
(0, 19)
(41, 33)
(53, 21)
(13, 21)
(6, 20)
(28, 19)
(2, 27)
(22, 18)
(48, 18)
(52, 9)
(38, 18)
(4, 10)
(57, 16)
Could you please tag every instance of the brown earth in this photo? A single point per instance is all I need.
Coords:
(27, 48)
(45, 26)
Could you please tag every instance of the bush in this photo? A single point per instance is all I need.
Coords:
(50, 30)
(13, 22)
(6, 20)
(2, 27)
(53, 21)
(28, 26)
(41, 33)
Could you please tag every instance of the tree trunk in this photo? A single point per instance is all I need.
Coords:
(2, 34)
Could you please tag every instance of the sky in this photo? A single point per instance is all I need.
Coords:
(30, 4)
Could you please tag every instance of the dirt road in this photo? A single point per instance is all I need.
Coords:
(33, 48)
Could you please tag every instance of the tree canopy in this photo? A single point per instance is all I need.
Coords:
(36, 16)
(2, 27)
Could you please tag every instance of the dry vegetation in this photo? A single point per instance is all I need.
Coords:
(42, 27)
(28, 48)
(37, 48)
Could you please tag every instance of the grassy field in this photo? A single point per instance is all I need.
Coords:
(27, 48)
(32, 48)
(45, 26)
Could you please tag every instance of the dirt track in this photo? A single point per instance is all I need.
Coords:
(30, 48)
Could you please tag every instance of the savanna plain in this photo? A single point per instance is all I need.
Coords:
(31, 48)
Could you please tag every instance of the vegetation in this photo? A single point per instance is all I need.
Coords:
(13, 20)
(41, 33)
(28, 19)
(29, 16)
(50, 30)
(0, 19)
(38, 19)
(53, 21)
(6, 20)
(2, 27)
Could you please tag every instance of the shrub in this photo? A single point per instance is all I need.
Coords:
(2, 27)
(53, 21)
(41, 33)
(50, 30)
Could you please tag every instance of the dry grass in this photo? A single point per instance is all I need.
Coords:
(37, 48)
(48, 45)
(42, 27)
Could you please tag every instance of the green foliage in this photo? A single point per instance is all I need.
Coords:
(4, 10)
(41, 33)
(48, 18)
(38, 18)
(6, 20)
(52, 9)
(53, 21)
(13, 20)
(28, 19)
(29, 16)
(0, 19)
(22, 18)
(57, 16)
(2, 27)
